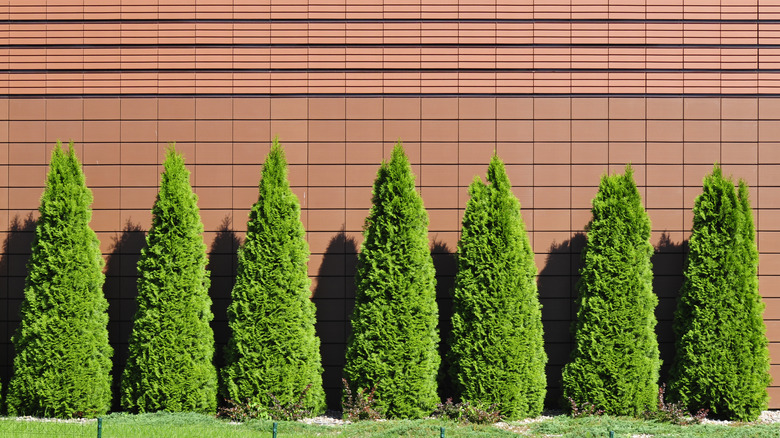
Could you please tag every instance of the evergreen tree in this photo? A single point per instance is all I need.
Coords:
(63, 359)
(273, 348)
(722, 360)
(497, 345)
(615, 362)
(172, 345)
(394, 339)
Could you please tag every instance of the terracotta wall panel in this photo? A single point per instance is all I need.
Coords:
(340, 99)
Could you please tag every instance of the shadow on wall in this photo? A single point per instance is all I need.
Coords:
(223, 264)
(13, 265)
(557, 285)
(445, 263)
(334, 296)
(668, 266)
(121, 290)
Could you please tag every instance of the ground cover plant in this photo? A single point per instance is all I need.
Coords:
(273, 354)
(497, 345)
(191, 425)
(615, 363)
(722, 361)
(627, 427)
(171, 344)
(394, 339)
(62, 356)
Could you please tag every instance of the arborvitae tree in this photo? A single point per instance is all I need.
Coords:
(63, 358)
(497, 344)
(722, 360)
(615, 362)
(273, 348)
(172, 345)
(394, 340)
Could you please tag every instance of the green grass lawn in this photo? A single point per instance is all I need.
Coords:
(165, 425)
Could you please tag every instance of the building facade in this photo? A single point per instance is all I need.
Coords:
(563, 90)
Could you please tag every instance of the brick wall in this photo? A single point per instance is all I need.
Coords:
(563, 91)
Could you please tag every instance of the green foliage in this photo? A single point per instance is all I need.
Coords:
(172, 345)
(722, 360)
(615, 363)
(393, 344)
(497, 345)
(273, 350)
(63, 359)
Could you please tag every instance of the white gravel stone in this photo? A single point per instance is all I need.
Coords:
(769, 417)
(330, 418)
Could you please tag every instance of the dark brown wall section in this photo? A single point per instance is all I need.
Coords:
(563, 90)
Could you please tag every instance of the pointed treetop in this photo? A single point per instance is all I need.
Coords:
(717, 170)
(496, 174)
(398, 158)
(275, 167)
(174, 171)
(172, 156)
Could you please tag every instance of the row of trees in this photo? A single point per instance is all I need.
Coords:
(722, 360)
(496, 353)
(63, 358)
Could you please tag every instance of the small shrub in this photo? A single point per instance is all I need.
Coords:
(256, 410)
(674, 413)
(360, 406)
(292, 410)
(448, 409)
(242, 412)
(469, 412)
(586, 409)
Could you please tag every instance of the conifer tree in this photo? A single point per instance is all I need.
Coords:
(273, 348)
(615, 362)
(394, 339)
(722, 359)
(63, 359)
(497, 344)
(172, 345)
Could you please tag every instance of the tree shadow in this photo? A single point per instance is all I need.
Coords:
(223, 264)
(13, 266)
(445, 264)
(121, 290)
(668, 267)
(557, 285)
(334, 297)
